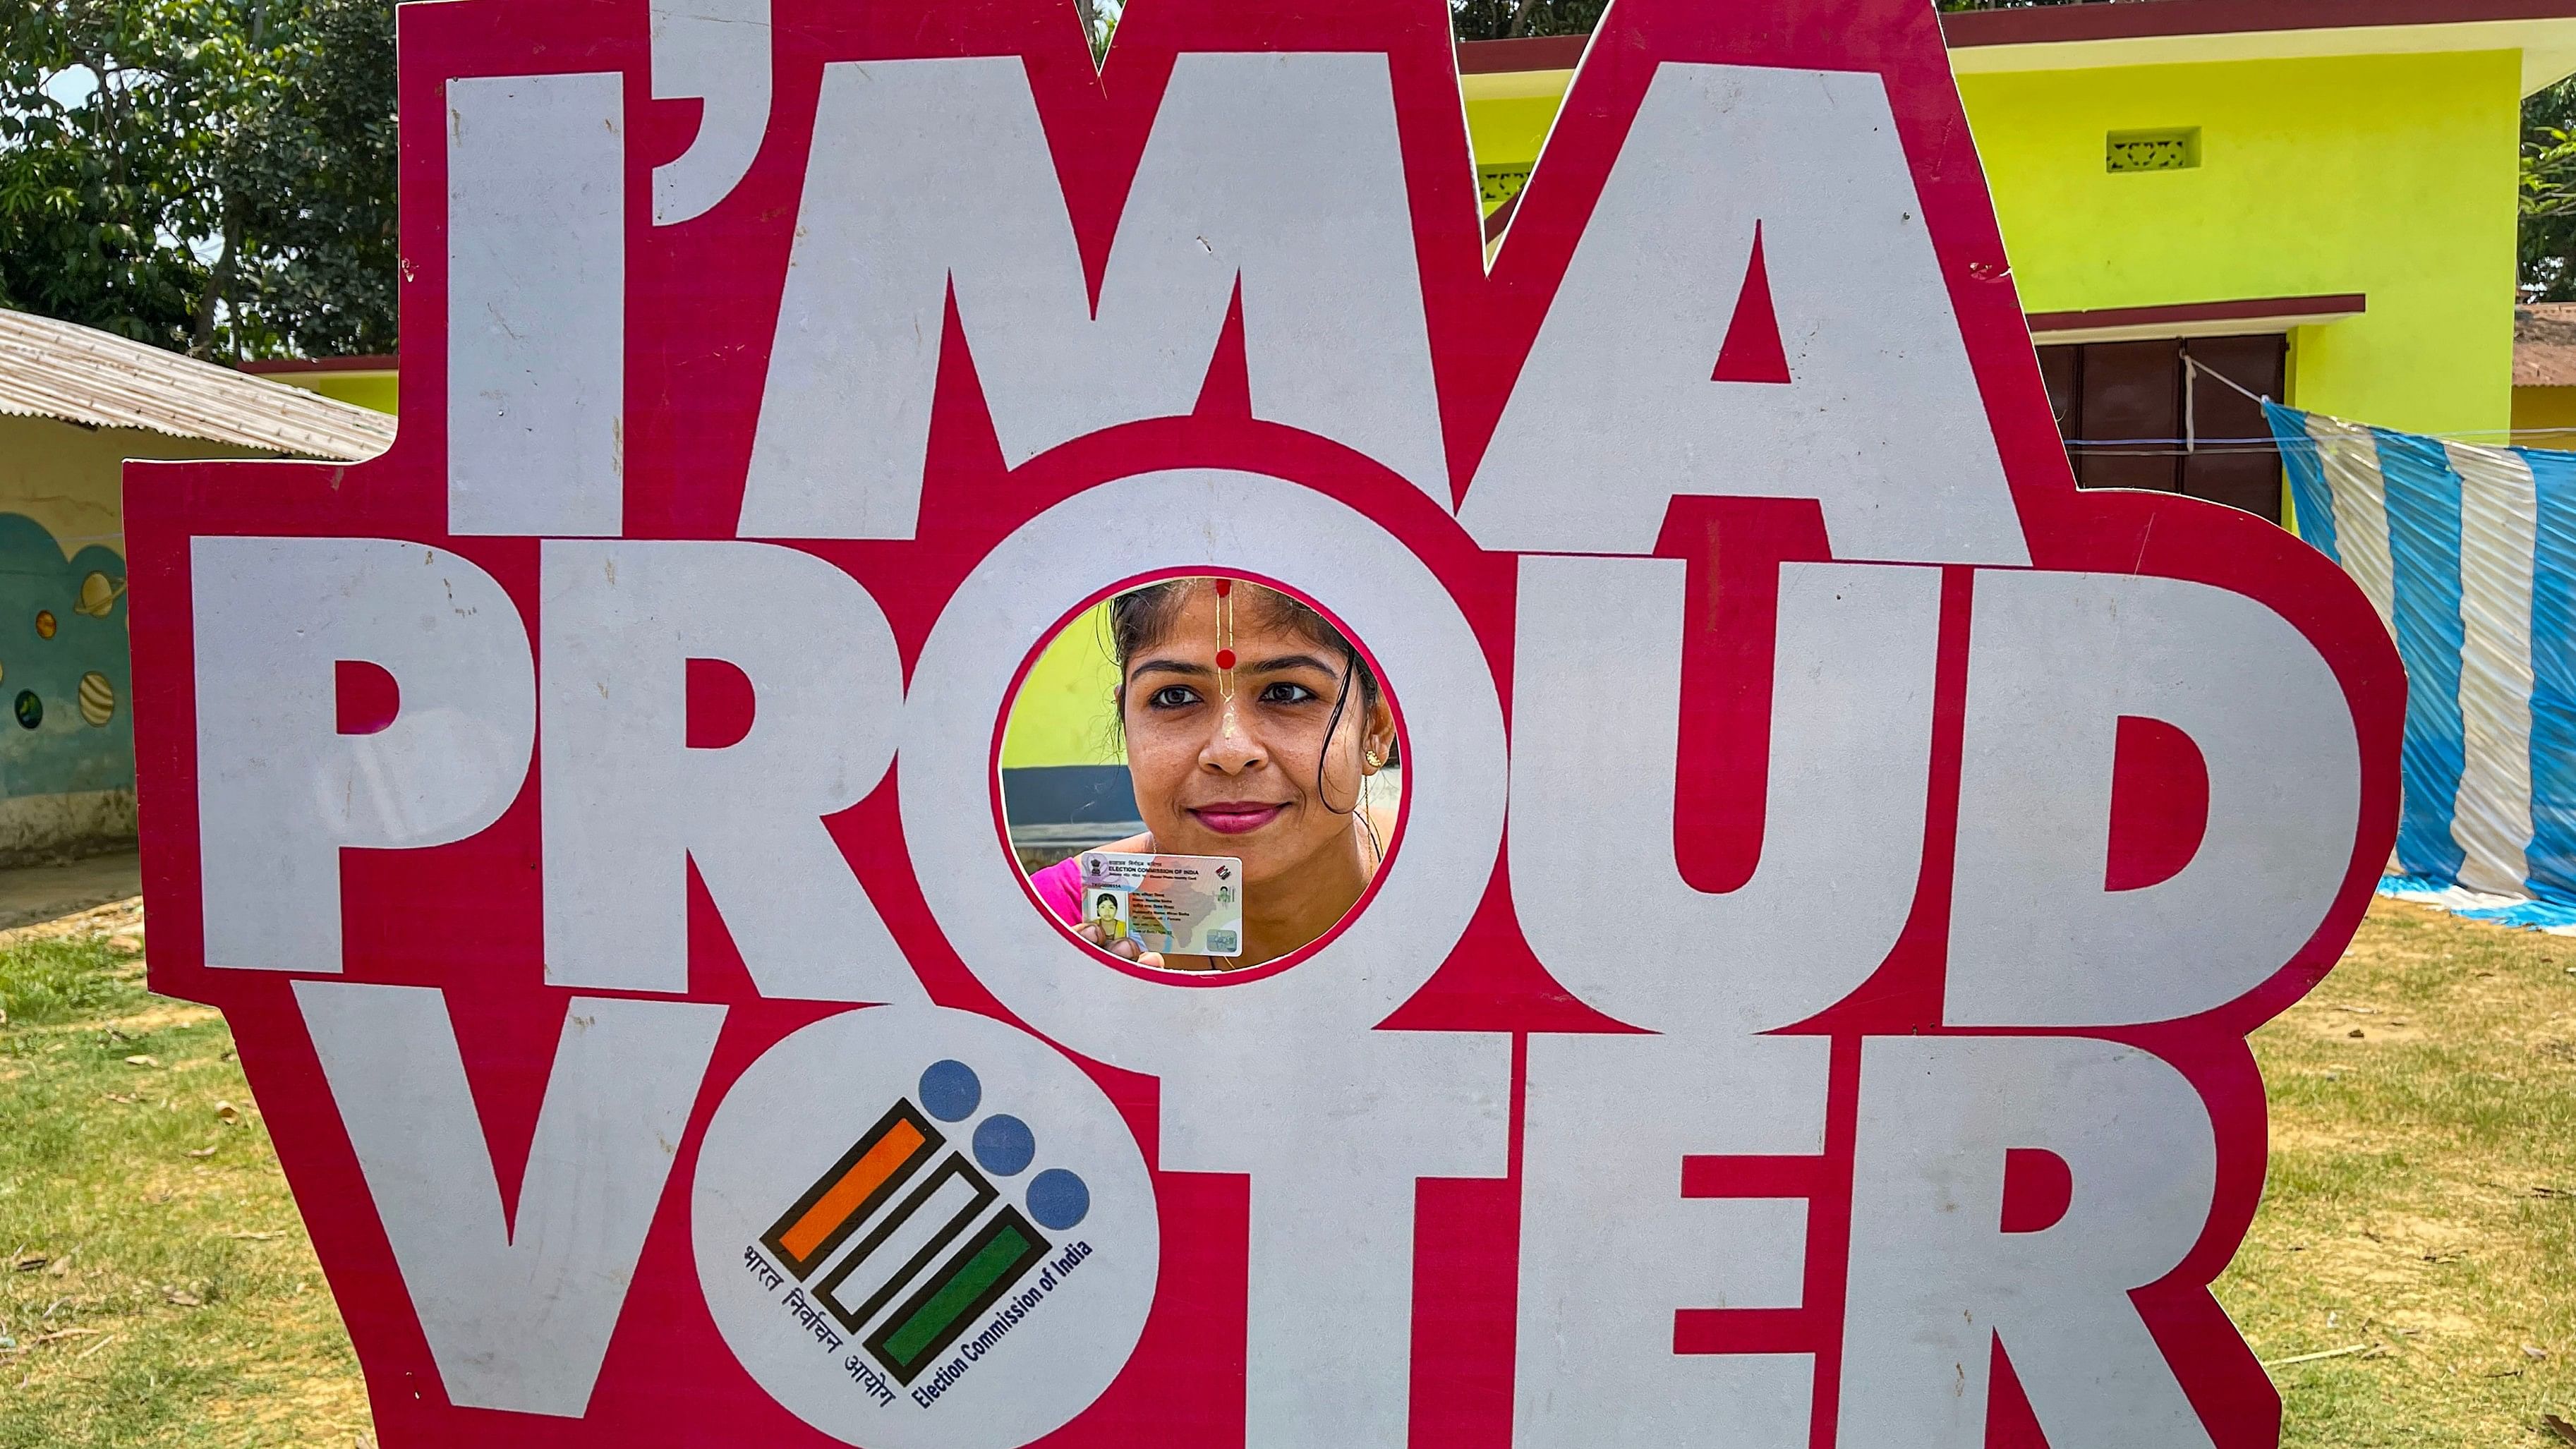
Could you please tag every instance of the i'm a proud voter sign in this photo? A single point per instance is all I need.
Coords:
(1804, 1003)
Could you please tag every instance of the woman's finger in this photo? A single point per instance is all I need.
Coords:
(1151, 958)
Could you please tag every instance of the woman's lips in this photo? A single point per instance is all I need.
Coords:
(1235, 817)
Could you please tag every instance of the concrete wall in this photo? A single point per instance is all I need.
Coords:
(66, 718)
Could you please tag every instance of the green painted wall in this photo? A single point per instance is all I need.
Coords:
(2391, 176)
(1508, 115)
(379, 390)
(1063, 713)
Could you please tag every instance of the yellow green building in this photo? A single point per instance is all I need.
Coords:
(2312, 198)
(369, 382)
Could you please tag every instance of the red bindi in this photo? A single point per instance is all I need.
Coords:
(1225, 659)
(1224, 587)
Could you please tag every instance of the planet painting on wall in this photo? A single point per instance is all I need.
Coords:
(98, 596)
(97, 699)
(67, 687)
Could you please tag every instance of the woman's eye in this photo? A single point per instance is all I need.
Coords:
(1173, 696)
(1282, 692)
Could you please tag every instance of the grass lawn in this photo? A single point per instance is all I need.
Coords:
(159, 1288)
(2422, 1201)
(2421, 1212)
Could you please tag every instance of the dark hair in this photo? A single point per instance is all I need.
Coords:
(1140, 617)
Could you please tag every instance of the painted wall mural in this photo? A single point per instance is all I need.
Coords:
(63, 666)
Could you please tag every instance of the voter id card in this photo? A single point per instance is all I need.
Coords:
(1182, 905)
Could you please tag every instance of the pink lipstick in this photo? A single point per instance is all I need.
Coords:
(1236, 817)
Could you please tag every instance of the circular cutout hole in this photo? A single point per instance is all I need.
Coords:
(1202, 774)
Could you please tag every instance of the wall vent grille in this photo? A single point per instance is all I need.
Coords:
(2177, 150)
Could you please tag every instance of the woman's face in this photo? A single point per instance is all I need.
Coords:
(1250, 792)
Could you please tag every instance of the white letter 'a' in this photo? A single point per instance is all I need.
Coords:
(517, 1308)
(1616, 411)
(1281, 172)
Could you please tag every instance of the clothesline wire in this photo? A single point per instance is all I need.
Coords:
(2191, 442)
(2196, 367)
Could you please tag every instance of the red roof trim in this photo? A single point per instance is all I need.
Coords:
(2036, 25)
(1500, 57)
(2339, 304)
(380, 362)
(2128, 20)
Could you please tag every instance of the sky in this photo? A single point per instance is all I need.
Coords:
(73, 87)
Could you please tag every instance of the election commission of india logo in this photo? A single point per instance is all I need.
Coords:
(922, 1227)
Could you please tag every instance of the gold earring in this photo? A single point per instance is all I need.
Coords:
(1375, 759)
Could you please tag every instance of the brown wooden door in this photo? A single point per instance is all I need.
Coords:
(2059, 366)
(2131, 413)
(2130, 423)
(2233, 460)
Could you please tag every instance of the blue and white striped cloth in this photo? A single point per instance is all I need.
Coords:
(2469, 554)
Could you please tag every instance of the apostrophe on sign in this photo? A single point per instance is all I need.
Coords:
(44, 623)
(31, 710)
(97, 595)
(97, 699)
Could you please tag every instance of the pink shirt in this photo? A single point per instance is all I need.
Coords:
(1060, 886)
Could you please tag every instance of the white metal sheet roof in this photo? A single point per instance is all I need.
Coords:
(55, 369)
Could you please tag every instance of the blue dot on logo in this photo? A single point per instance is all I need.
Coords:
(1004, 1145)
(1058, 1199)
(950, 1090)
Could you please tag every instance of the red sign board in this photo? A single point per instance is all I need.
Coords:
(1806, 1002)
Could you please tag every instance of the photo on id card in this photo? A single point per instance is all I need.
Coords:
(1181, 905)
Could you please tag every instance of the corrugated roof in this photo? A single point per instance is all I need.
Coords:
(55, 369)
(2544, 345)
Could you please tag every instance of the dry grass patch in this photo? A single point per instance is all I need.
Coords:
(2422, 1199)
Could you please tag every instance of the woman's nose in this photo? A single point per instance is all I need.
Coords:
(1232, 747)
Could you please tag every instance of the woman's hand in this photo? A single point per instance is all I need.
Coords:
(1124, 948)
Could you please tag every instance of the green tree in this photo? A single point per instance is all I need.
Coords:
(215, 176)
(2549, 194)
(314, 181)
(98, 191)
(1513, 19)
